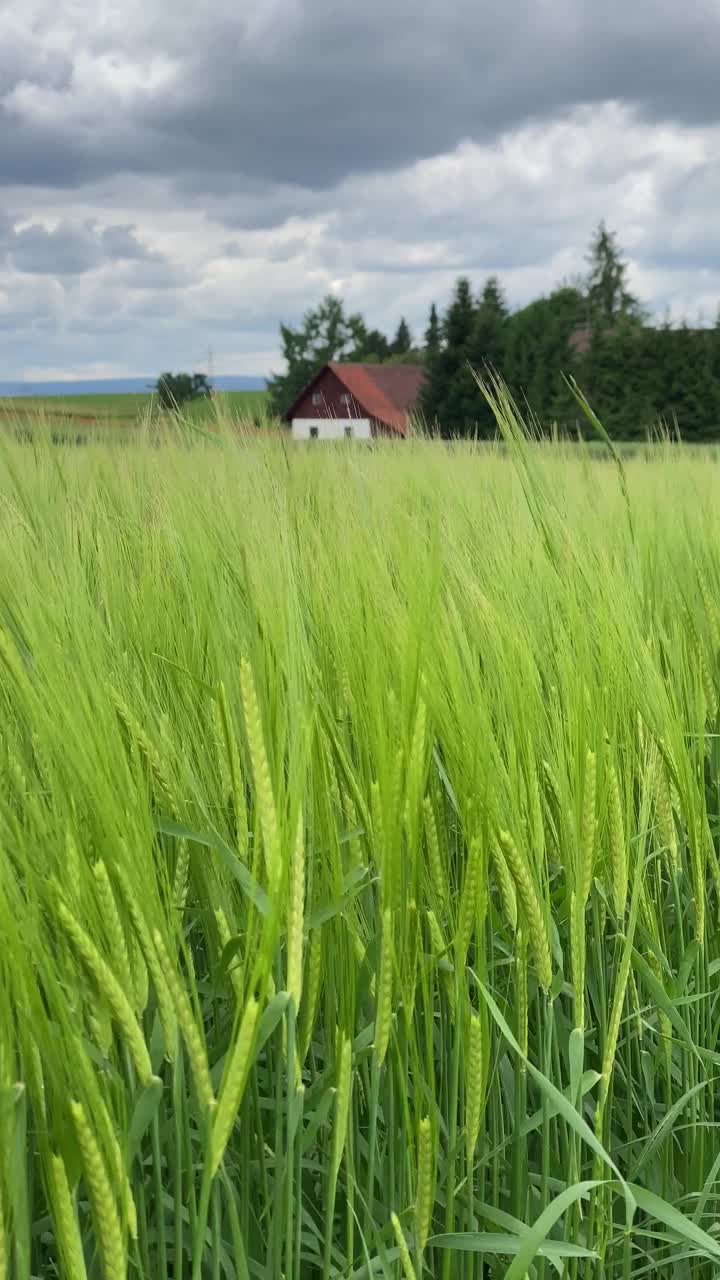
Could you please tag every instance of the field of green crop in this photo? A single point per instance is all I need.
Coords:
(126, 409)
(359, 879)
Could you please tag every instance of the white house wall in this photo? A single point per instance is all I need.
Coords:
(331, 428)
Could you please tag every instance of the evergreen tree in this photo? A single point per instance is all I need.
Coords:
(711, 382)
(607, 294)
(607, 377)
(459, 317)
(431, 359)
(639, 352)
(609, 372)
(372, 348)
(402, 342)
(714, 367)
(538, 353)
(432, 333)
(691, 395)
(486, 349)
(453, 380)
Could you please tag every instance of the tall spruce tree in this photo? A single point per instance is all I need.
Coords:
(432, 333)
(486, 349)
(614, 316)
(402, 343)
(608, 297)
(453, 378)
(431, 356)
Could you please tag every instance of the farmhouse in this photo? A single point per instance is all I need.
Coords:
(356, 401)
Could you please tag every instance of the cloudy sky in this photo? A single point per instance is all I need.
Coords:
(175, 177)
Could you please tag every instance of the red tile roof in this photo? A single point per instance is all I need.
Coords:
(387, 393)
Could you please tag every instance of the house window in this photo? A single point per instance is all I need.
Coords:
(345, 398)
(317, 397)
(314, 433)
(348, 433)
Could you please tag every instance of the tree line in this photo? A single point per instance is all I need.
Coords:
(593, 329)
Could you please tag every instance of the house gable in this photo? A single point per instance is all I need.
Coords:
(325, 397)
(381, 395)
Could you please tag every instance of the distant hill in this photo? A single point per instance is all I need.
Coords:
(113, 387)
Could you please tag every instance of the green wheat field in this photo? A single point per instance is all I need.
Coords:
(359, 878)
(114, 412)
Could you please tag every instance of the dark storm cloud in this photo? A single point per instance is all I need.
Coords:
(175, 178)
(310, 91)
(335, 88)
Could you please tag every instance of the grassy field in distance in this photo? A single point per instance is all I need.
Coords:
(359, 877)
(125, 408)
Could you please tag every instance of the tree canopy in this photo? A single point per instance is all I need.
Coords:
(173, 390)
(325, 334)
